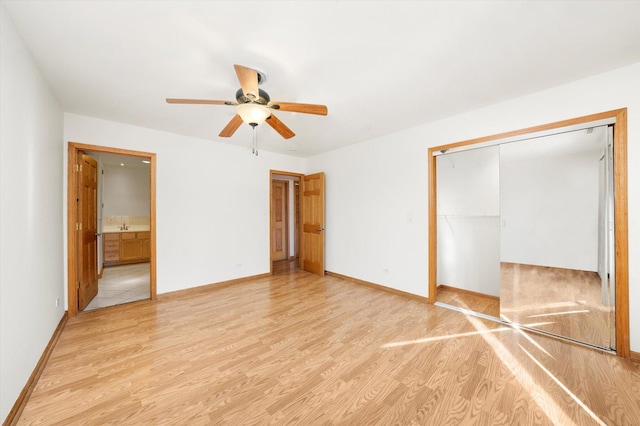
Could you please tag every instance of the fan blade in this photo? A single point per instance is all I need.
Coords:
(199, 101)
(303, 108)
(279, 127)
(231, 127)
(248, 81)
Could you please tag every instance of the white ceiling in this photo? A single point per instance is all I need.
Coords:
(379, 66)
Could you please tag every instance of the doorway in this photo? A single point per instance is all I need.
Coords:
(136, 232)
(285, 217)
(307, 223)
(539, 217)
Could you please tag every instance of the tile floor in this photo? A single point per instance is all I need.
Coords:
(121, 284)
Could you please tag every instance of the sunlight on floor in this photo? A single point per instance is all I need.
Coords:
(556, 305)
(530, 339)
(520, 372)
(564, 388)
(528, 382)
(584, 311)
(549, 406)
(436, 338)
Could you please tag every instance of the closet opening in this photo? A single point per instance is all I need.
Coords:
(529, 228)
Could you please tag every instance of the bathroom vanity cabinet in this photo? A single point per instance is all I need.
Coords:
(122, 248)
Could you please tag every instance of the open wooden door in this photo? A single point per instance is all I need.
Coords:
(312, 238)
(279, 223)
(87, 230)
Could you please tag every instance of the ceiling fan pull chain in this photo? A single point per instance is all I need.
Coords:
(254, 149)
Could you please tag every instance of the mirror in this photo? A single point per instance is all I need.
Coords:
(525, 233)
(468, 226)
(552, 243)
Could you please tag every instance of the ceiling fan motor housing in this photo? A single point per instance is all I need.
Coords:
(263, 98)
(262, 77)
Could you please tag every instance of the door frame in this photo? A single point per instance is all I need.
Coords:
(271, 174)
(72, 212)
(623, 348)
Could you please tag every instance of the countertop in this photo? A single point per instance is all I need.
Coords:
(132, 228)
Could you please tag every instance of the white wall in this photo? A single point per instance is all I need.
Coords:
(125, 191)
(377, 191)
(549, 204)
(468, 188)
(376, 204)
(31, 257)
(212, 200)
(468, 182)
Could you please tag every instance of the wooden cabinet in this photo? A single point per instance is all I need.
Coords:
(129, 247)
(145, 243)
(111, 251)
(126, 247)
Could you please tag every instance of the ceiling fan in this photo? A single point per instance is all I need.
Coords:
(254, 106)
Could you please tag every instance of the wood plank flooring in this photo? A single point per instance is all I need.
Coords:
(483, 305)
(295, 348)
(559, 301)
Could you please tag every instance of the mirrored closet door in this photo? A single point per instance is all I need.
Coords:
(468, 217)
(525, 233)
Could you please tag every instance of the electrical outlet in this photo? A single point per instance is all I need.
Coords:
(385, 270)
(57, 302)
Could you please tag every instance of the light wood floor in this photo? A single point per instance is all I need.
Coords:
(483, 305)
(560, 301)
(299, 349)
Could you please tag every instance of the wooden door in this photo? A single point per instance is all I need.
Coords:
(279, 223)
(87, 230)
(312, 241)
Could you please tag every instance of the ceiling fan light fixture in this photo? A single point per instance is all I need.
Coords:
(254, 106)
(253, 113)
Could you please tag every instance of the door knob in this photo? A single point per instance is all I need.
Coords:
(320, 229)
